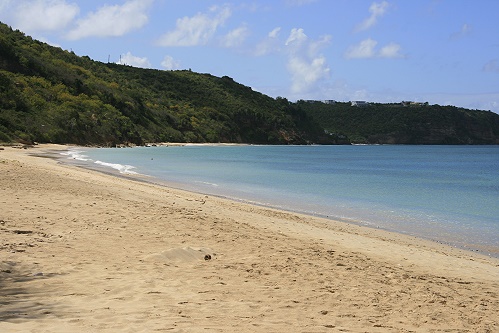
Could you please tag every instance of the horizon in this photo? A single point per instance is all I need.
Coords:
(375, 51)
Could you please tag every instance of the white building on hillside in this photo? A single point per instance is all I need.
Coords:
(359, 103)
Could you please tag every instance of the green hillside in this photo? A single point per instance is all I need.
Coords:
(51, 95)
(411, 124)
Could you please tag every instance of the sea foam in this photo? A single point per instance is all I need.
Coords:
(76, 154)
(124, 169)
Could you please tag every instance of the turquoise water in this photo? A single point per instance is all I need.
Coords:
(444, 193)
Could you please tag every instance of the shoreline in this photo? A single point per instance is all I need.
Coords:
(92, 251)
(452, 240)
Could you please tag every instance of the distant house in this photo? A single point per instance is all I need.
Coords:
(326, 101)
(411, 103)
(359, 103)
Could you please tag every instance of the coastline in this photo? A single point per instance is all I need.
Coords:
(462, 230)
(92, 251)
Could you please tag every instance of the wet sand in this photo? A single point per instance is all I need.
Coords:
(83, 251)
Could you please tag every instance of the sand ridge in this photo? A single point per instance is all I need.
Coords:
(87, 252)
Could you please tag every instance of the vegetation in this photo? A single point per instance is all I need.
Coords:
(406, 124)
(51, 95)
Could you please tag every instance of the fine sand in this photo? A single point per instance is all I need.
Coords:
(83, 251)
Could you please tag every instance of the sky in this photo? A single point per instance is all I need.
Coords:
(437, 51)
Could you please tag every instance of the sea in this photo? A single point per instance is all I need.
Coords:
(447, 194)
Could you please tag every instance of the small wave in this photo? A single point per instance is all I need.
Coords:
(124, 169)
(207, 183)
(76, 155)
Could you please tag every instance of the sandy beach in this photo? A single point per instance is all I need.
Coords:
(83, 251)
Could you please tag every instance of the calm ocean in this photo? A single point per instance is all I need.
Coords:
(448, 194)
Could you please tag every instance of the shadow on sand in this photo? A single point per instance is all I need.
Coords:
(20, 289)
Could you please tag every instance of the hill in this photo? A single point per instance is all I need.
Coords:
(406, 124)
(51, 95)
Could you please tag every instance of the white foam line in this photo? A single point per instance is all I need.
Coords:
(124, 169)
(76, 155)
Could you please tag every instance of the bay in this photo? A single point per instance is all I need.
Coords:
(448, 194)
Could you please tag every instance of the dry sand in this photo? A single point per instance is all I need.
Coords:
(83, 251)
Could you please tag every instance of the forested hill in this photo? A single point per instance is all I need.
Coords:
(51, 95)
(405, 124)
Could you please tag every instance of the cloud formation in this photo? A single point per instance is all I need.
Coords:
(275, 33)
(112, 21)
(41, 15)
(270, 44)
(169, 63)
(235, 37)
(296, 38)
(367, 49)
(305, 63)
(392, 50)
(130, 60)
(306, 73)
(377, 10)
(196, 30)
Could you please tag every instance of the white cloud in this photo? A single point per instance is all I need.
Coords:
(49, 42)
(269, 44)
(364, 50)
(196, 30)
(377, 10)
(235, 37)
(367, 49)
(391, 50)
(306, 73)
(305, 64)
(296, 38)
(275, 33)
(170, 63)
(131, 60)
(315, 46)
(113, 21)
(41, 15)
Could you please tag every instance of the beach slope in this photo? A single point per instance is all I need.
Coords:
(83, 251)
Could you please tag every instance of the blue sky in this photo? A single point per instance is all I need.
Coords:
(438, 51)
